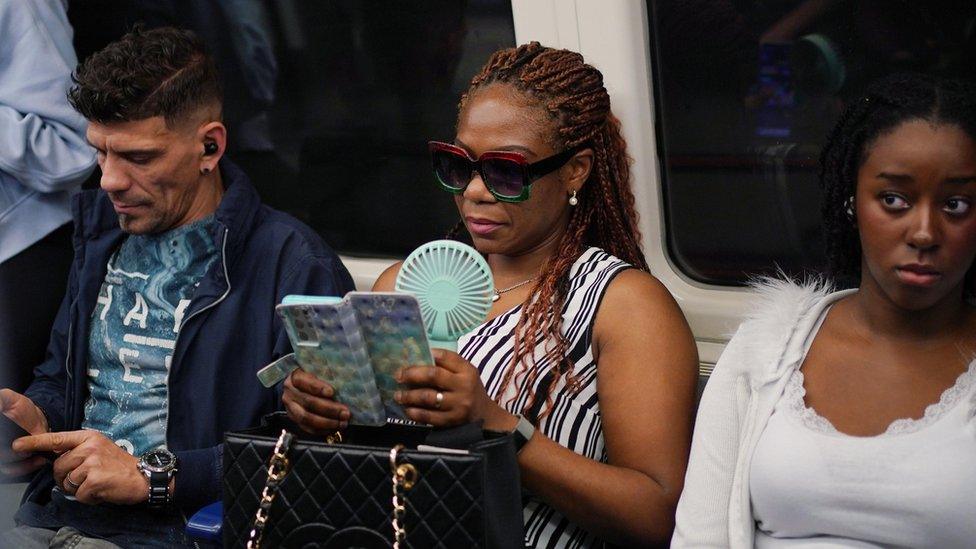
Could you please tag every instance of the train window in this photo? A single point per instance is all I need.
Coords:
(329, 105)
(746, 92)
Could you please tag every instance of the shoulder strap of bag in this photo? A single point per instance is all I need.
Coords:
(278, 468)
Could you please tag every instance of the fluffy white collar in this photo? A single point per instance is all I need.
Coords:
(770, 338)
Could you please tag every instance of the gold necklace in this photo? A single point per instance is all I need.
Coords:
(498, 293)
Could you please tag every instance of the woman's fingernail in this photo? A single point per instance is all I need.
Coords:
(345, 415)
(327, 392)
(343, 424)
(398, 396)
(399, 375)
(437, 353)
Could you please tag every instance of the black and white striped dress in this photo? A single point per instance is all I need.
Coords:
(575, 419)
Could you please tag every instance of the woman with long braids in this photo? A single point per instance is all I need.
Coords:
(848, 419)
(585, 356)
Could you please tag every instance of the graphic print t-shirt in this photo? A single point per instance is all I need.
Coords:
(141, 305)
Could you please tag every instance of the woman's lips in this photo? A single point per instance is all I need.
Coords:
(481, 227)
(918, 275)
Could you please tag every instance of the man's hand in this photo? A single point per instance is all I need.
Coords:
(22, 411)
(91, 468)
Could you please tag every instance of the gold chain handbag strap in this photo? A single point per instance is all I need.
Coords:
(404, 477)
(278, 467)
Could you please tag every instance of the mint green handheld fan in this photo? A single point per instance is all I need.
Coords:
(454, 286)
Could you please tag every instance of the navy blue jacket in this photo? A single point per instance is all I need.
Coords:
(229, 332)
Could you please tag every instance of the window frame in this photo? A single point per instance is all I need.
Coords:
(614, 36)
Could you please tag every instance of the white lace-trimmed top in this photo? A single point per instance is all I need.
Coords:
(912, 486)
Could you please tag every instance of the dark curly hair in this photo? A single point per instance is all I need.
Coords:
(886, 104)
(160, 72)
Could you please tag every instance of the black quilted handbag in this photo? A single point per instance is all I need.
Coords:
(341, 494)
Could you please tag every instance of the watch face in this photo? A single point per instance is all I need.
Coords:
(158, 460)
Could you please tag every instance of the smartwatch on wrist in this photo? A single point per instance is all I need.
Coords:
(523, 432)
(158, 466)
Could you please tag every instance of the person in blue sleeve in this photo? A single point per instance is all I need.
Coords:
(169, 312)
(43, 161)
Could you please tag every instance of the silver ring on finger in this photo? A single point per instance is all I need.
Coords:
(438, 400)
(74, 485)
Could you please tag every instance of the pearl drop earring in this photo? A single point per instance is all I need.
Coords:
(573, 200)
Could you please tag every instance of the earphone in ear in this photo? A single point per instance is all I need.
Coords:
(209, 148)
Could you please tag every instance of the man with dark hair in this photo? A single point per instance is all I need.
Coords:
(169, 311)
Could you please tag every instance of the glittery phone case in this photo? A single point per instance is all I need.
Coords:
(329, 344)
(395, 336)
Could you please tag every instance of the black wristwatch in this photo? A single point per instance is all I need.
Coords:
(523, 433)
(159, 466)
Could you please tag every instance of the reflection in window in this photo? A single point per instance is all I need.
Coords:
(329, 105)
(746, 92)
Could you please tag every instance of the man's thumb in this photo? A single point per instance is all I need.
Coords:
(7, 399)
(22, 411)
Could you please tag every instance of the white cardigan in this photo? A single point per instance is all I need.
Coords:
(715, 509)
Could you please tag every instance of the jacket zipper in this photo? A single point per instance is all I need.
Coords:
(223, 259)
(176, 342)
(67, 355)
(67, 366)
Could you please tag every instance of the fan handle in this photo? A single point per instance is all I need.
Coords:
(446, 344)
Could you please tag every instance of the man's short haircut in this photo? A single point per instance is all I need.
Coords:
(164, 72)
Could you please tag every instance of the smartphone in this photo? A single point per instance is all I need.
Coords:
(10, 431)
(329, 345)
(395, 337)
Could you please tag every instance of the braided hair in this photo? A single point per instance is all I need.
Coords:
(886, 104)
(575, 100)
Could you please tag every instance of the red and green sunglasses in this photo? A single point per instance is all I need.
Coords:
(508, 175)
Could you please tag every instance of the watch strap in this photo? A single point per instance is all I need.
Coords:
(159, 488)
(523, 433)
(159, 480)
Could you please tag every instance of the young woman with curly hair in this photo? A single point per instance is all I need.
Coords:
(848, 419)
(582, 343)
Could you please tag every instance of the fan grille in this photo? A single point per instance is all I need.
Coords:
(453, 285)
